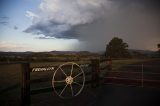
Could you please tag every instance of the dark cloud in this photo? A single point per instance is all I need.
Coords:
(41, 28)
(15, 27)
(4, 20)
(3, 23)
(4, 17)
(136, 21)
(61, 22)
(50, 30)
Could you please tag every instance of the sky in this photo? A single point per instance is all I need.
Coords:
(78, 25)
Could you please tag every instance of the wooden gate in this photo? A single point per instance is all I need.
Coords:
(27, 68)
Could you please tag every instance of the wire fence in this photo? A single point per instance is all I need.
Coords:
(135, 75)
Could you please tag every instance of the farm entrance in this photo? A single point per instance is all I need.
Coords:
(95, 72)
(66, 79)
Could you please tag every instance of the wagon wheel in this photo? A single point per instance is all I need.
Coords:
(68, 80)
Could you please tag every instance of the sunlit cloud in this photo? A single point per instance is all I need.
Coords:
(11, 46)
(31, 15)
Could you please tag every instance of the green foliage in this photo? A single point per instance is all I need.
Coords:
(117, 48)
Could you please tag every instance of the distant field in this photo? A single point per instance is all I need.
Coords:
(119, 63)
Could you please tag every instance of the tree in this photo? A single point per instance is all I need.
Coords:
(158, 45)
(117, 48)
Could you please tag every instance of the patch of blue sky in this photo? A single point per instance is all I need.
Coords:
(15, 10)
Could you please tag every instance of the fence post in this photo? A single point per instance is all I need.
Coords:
(25, 85)
(95, 72)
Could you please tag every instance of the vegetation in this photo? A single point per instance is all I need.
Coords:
(117, 49)
(158, 45)
(46, 56)
(158, 51)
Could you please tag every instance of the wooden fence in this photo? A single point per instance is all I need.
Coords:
(131, 77)
(26, 92)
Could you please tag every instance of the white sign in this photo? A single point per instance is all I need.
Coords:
(42, 69)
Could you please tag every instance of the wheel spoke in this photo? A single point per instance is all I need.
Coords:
(71, 70)
(62, 90)
(77, 75)
(63, 72)
(72, 90)
(77, 83)
(59, 81)
(70, 79)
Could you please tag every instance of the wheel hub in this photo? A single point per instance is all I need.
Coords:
(69, 80)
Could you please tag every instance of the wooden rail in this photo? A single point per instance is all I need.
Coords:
(96, 65)
(27, 69)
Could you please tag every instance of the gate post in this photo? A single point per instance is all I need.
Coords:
(25, 84)
(95, 72)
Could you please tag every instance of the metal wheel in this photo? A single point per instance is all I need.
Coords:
(68, 80)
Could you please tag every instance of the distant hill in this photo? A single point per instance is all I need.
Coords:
(15, 53)
(138, 53)
(29, 53)
(147, 53)
(47, 56)
(133, 52)
(142, 51)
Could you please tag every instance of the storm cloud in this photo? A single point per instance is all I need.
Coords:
(137, 22)
(57, 18)
(95, 22)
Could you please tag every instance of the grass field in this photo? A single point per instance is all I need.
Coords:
(119, 63)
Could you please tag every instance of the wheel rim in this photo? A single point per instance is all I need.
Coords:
(70, 80)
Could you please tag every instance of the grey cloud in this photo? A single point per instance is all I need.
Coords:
(59, 21)
(3, 23)
(137, 23)
(4, 20)
(4, 17)
(49, 31)
(15, 27)
(52, 29)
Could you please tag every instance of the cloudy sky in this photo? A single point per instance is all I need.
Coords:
(81, 25)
